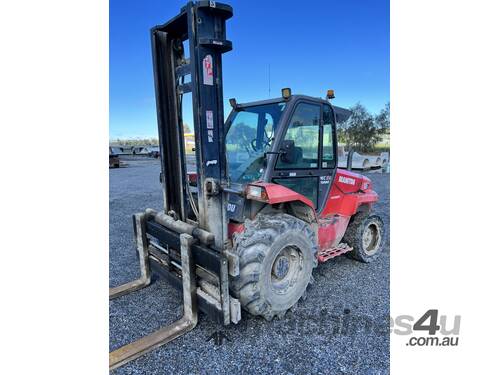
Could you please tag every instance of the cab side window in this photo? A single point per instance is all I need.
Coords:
(328, 158)
(300, 146)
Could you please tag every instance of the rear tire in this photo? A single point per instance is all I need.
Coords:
(277, 254)
(365, 234)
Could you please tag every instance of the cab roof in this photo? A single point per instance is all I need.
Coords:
(342, 114)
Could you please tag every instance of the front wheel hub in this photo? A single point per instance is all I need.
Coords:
(286, 269)
(281, 267)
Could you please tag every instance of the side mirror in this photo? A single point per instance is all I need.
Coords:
(288, 151)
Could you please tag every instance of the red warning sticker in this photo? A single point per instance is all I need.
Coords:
(208, 71)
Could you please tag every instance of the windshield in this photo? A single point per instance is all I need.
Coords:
(251, 133)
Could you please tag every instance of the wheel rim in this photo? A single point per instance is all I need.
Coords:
(371, 238)
(286, 269)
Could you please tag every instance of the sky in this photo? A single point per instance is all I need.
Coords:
(308, 46)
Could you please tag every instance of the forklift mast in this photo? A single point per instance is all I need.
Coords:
(203, 24)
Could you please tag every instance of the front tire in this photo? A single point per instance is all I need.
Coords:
(277, 254)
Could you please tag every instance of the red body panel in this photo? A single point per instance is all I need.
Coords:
(280, 194)
(331, 230)
(347, 193)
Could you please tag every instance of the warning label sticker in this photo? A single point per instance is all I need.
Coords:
(208, 71)
(210, 125)
(210, 119)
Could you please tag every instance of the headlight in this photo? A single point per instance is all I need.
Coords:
(256, 192)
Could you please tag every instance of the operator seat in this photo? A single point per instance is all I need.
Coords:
(297, 156)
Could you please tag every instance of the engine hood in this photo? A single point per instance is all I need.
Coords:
(350, 182)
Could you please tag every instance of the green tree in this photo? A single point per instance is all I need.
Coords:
(383, 119)
(362, 130)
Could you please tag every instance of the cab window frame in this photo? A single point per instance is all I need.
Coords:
(283, 166)
(333, 135)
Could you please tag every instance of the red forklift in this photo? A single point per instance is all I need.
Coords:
(266, 203)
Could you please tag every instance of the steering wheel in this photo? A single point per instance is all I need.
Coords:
(266, 142)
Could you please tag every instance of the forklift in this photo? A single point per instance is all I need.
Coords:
(266, 203)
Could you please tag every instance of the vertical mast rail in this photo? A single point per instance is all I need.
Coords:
(207, 37)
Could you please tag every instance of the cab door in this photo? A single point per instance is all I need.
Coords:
(328, 154)
(307, 161)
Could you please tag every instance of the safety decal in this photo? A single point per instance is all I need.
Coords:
(210, 119)
(208, 71)
(210, 125)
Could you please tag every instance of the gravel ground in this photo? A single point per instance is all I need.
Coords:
(341, 328)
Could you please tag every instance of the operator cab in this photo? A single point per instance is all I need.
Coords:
(289, 141)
